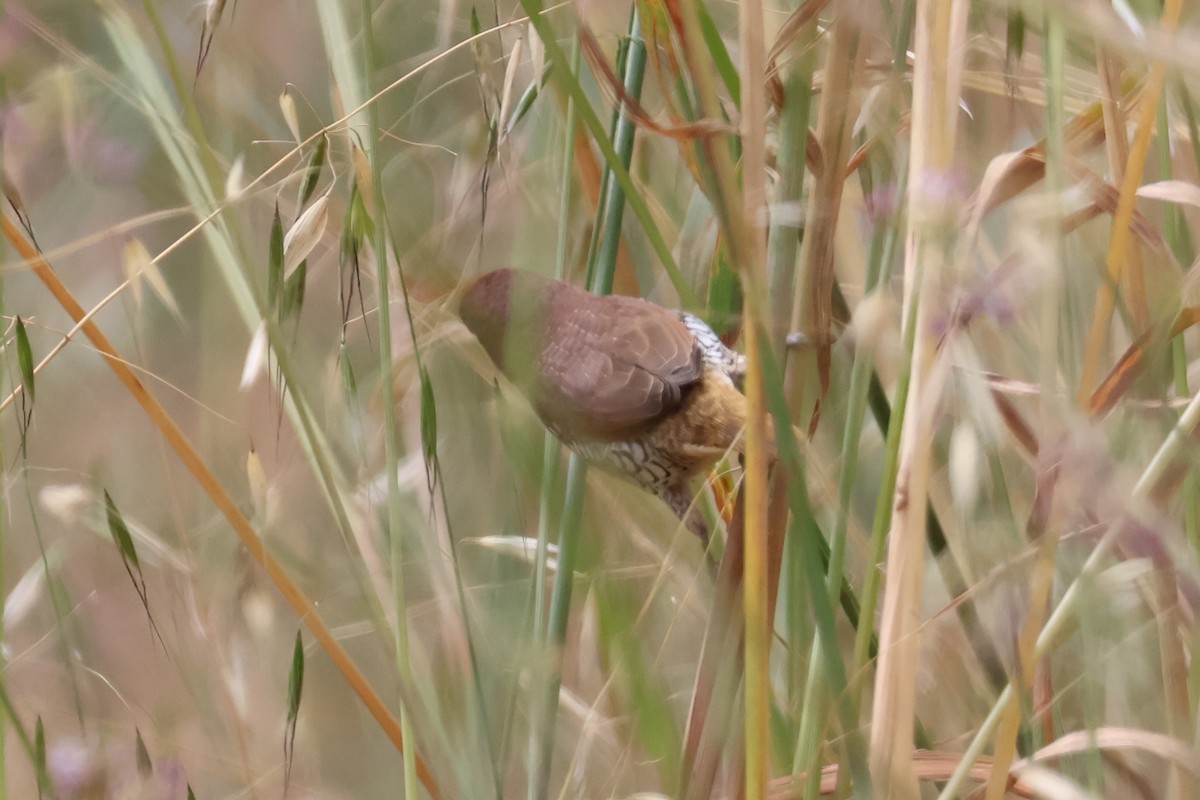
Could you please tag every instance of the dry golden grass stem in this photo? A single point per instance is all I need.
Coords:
(1120, 245)
(1117, 147)
(179, 442)
(939, 47)
(752, 271)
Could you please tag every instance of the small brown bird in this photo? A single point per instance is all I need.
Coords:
(634, 388)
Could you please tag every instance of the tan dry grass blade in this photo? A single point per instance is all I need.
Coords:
(614, 91)
(1007, 177)
(1173, 191)
(179, 442)
(1129, 366)
(1117, 148)
(805, 13)
(1110, 738)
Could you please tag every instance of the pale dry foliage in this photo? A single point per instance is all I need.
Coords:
(985, 229)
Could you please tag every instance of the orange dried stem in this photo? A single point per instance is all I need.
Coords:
(158, 415)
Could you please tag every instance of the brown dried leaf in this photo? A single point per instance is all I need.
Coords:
(614, 90)
(792, 27)
(1129, 366)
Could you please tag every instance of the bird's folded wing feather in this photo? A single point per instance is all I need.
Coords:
(613, 367)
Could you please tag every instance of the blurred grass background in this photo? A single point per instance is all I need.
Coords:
(979, 217)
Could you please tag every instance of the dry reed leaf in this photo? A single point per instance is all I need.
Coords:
(1005, 176)
(287, 105)
(1129, 366)
(1114, 738)
(1174, 191)
(792, 27)
(1009, 174)
(613, 89)
(305, 233)
(1012, 173)
(138, 264)
(1104, 197)
(1013, 420)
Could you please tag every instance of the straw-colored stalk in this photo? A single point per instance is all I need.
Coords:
(753, 273)
(939, 47)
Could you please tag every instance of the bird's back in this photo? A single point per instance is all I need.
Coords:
(606, 368)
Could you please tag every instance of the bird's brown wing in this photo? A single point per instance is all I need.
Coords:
(611, 367)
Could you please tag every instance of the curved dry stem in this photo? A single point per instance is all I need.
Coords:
(179, 442)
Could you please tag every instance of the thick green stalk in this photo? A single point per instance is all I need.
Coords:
(782, 246)
(614, 207)
(551, 449)
(591, 121)
(602, 264)
(805, 531)
(545, 714)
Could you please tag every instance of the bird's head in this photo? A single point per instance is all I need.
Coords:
(506, 309)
